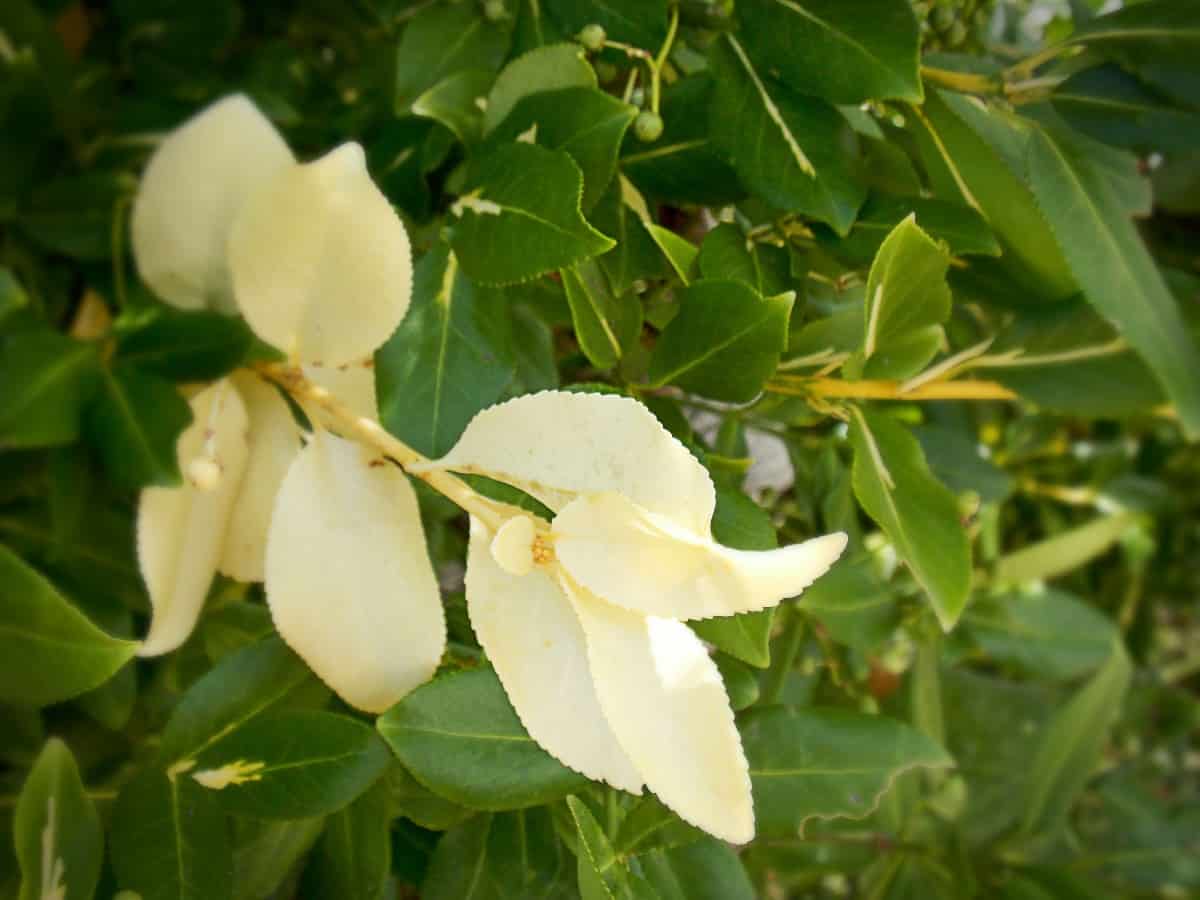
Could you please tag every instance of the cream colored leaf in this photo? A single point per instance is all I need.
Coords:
(274, 440)
(193, 187)
(666, 703)
(646, 563)
(321, 262)
(555, 445)
(534, 641)
(349, 581)
(353, 385)
(180, 531)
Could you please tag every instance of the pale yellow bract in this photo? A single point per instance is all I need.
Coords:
(583, 616)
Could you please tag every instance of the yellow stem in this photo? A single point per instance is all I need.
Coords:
(372, 434)
(888, 390)
(961, 81)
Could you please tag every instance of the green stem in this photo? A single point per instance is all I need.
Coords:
(790, 642)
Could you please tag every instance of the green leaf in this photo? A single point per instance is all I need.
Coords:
(521, 217)
(679, 251)
(134, 421)
(726, 255)
(683, 165)
(741, 683)
(59, 841)
(169, 840)
(790, 149)
(845, 52)
(451, 356)
(606, 325)
(1113, 106)
(602, 876)
(853, 604)
(47, 380)
(291, 765)
(257, 679)
(907, 302)
(458, 735)
(1047, 634)
(1064, 552)
(12, 295)
(724, 343)
(827, 763)
(742, 524)
(455, 101)
(651, 826)
(963, 229)
(49, 651)
(416, 802)
(642, 23)
(354, 856)
(442, 39)
(533, 349)
(184, 345)
(637, 255)
(917, 513)
(707, 869)
(265, 853)
(977, 155)
(1117, 274)
(495, 857)
(74, 215)
(544, 69)
(585, 122)
(956, 461)
(1071, 746)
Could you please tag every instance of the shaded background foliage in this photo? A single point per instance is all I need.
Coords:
(1065, 697)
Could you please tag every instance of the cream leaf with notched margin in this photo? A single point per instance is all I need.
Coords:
(646, 563)
(321, 263)
(181, 531)
(192, 189)
(536, 645)
(274, 441)
(555, 445)
(664, 699)
(348, 577)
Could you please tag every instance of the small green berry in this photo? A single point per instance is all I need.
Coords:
(494, 10)
(648, 126)
(593, 37)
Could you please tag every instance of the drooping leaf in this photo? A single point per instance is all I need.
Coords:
(918, 514)
(451, 356)
(1070, 747)
(1118, 276)
(844, 52)
(458, 735)
(49, 651)
(169, 839)
(827, 763)
(907, 301)
(354, 855)
(587, 123)
(47, 383)
(293, 764)
(788, 148)
(244, 685)
(442, 39)
(134, 421)
(520, 216)
(606, 324)
(724, 343)
(544, 69)
(59, 841)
